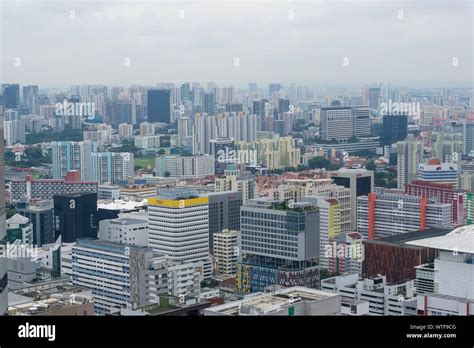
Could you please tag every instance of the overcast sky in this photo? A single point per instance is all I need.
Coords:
(272, 41)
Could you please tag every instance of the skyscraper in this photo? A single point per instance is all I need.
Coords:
(11, 96)
(30, 99)
(179, 227)
(395, 128)
(70, 155)
(75, 216)
(409, 157)
(159, 105)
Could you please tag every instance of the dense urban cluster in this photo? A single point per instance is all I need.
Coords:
(263, 199)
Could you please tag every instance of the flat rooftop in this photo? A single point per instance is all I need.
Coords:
(461, 240)
(403, 238)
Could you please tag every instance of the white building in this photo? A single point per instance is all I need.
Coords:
(454, 265)
(179, 227)
(185, 167)
(293, 301)
(20, 228)
(124, 276)
(383, 298)
(108, 192)
(234, 180)
(124, 230)
(125, 130)
(112, 167)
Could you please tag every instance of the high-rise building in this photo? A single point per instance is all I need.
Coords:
(185, 167)
(374, 98)
(123, 276)
(336, 123)
(30, 99)
(224, 212)
(394, 129)
(280, 245)
(445, 193)
(409, 157)
(70, 155)
(112, 167)
(329, 225)
(226, 251)
(179, 227)
(436, 172)
(253, 87)
(40, 215)
(273, 88)
(15, 131)
(447, 147)
(382, 214)
(120, 111)
(3, 259)
(75, 216)
(222, 149)
(11, 96)
(467, 130)
(360, 182)
(159, 109)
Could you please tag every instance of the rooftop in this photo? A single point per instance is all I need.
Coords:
(460, 239)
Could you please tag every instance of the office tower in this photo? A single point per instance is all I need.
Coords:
(224, 212)
(3, 260)
(394, 129)
(29, 189)
(15, 132)
(441, 173)
(273, 88)
(329, 225)
(467, 130)
(185, 91)
(120, 111)
(409, 157)
(208, 104)
(234, 180)
(226, 251)
(259, 108)
(360, 182)
(336, 123)
(159, 105)
(279, 244)
(185, 167)
(112, 167)
(40, 215)
(123, 276)
(222, 149)
(382, 214)
(253, 87)
(374, 98)
(283, 106)
(125, 130)
(75, 216)
(126, 230)
(361, 121)
(445, 193)
(72, 155)
(453, 273)
(30, 99)
(179, 227)
(11, 96)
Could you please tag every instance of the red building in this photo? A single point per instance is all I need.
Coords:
(445, 193)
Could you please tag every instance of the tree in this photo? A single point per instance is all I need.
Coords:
(318, 162)
(161, 152)
(370, 165)
(167, 174)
